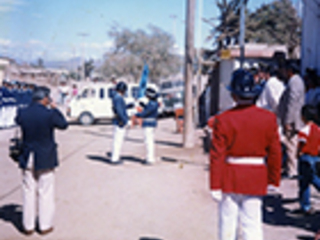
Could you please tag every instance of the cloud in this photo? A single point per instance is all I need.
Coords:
(36, 43)
(98, 46)
(37, 15)
(10, 5)
(5, 42)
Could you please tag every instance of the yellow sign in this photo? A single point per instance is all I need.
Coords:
(225, 54)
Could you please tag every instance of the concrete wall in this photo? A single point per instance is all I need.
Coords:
(310, 50)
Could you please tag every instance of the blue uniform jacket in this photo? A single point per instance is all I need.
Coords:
(37, 123)
(8, 99)
(149, 114)
(120, 110)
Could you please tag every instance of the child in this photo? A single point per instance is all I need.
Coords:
(308, 151)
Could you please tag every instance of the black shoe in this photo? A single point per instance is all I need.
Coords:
(309, 212)
(145, 162)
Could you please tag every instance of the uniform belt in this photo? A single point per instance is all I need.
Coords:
(149, 119)
(246, 160)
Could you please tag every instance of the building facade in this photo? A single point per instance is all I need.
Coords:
(310, 49)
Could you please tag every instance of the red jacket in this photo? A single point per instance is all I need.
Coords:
(245, 131)
(310, 135)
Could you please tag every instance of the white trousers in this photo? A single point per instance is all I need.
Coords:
(38, 194)
(5, 113)
(149, 143)
(240, 209)
(291, 150)
(8, 115)
(2, 112)
(118, 137)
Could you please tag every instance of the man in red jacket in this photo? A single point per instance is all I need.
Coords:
(245, 158)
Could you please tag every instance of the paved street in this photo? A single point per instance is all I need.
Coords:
(167, 201)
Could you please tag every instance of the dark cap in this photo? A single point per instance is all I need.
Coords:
(40, 93)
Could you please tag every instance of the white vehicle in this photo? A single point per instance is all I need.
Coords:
(94, 102)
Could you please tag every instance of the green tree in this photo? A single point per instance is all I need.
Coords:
(276, 23)
(226, 31)
(134, 47)
(88, 67)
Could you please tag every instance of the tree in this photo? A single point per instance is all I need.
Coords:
(88, 68)
(274, 23)
(226, 32)
(133, 48)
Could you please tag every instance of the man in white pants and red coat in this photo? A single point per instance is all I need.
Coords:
(39, 159)
(245, 158)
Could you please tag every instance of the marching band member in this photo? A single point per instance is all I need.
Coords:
(245, 158)
(120, 121)
(149, 115)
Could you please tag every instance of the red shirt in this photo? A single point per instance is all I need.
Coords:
(245, 132)
(310, 135)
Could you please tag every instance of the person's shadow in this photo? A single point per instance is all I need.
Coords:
(12, 213)
(275, 213)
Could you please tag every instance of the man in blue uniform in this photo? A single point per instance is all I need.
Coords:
(120, 121)
(149, 116)
(38, 159)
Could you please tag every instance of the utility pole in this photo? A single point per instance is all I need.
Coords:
(242, 31)
(188, 134)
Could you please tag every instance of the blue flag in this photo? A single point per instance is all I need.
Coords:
(143, 81)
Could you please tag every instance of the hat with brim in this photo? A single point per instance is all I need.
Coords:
(243, 85)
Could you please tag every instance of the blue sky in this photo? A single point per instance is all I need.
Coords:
(62, 29)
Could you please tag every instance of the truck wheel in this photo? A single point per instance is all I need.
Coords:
(86, 119)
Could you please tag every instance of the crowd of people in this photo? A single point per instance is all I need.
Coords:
(277, 111)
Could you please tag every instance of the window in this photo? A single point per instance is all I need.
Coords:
(111, 92)
(88, 93)
(179, 83)
(166, 85)
(135, 92)
(101, 93)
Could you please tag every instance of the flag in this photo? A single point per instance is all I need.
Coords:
(143, 81)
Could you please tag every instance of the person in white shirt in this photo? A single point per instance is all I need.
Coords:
(272, 91)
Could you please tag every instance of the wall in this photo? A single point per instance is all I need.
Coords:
(310, 50)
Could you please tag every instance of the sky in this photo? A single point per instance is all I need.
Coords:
(64, 29)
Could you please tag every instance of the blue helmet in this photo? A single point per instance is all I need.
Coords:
(121, 87)
(243, 85)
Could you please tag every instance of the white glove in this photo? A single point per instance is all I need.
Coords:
(273, 189)
(129, 124)
(216, 195)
